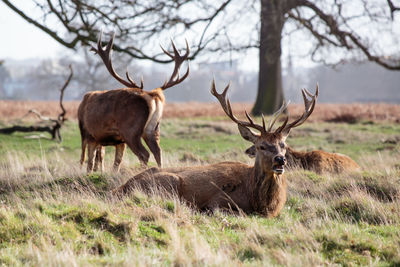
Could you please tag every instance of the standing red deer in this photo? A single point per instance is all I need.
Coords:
(124, 116)
(259, 188)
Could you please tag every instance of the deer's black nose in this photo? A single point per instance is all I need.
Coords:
(280, 160)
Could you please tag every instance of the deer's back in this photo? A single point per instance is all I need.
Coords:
(209, 186)
(330, 162)
(106, 115)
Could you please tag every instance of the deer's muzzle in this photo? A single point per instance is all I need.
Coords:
(279, 163)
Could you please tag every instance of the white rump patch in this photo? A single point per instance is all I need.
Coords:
(155, 113)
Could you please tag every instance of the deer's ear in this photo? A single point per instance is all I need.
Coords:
(251, 151)
(247, 134)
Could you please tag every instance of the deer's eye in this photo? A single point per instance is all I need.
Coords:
(282, 145)
(267, 147)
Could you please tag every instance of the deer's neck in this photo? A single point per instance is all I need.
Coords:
(267, 191)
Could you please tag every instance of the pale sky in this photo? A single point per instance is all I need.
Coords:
(21, 40)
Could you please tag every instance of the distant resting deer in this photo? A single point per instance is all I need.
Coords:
(318, 161)
(259, 188)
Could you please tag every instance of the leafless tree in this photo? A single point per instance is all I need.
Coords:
(53, 124)
(335, 30)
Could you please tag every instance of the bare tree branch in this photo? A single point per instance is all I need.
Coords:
(55, 124)
(393, 8)
(346, 39)
(61, 116)
(53, 34)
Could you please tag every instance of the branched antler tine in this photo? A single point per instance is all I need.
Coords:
(213, 90)
(225, 90)
(252, 124)
(176, 52)
(309, 106)
(230, 112)
(186, 74)
(250, 119)
(97, 49)
(109, 47)
(166, 52)
(220, 97)
(94, 49)
(225, 103)
(187, 49)
(276, 115)
(308, 93)
(233, 117)
(307, 102)
(99, 40)
(263, 121)
(278, 130)
(105, 54)
(178, 59)
(129, 77)
(227, 108)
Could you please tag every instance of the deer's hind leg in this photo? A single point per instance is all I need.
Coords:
(153, 142)
(99, 159)
(83, 152)
(135, 144)
(119, 154)
(92, 146)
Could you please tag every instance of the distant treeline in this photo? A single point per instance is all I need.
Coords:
(39, 80)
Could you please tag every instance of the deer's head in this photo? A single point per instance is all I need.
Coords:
(269, 145)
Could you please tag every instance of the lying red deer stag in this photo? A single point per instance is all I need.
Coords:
(260, 188)
(120, 116)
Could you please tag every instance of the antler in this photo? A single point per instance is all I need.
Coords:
(105, 55)
(226, 106)
(309, 105)
(174, 79)
(276, 115)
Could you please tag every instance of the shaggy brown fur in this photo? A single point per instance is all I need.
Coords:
(117, 117)
(225, 185)
(318, 161)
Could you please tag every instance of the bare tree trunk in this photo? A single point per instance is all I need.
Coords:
(270, 91)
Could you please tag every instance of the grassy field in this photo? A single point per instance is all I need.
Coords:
(52, 213)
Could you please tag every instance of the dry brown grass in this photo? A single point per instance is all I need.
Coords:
(11, 110)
